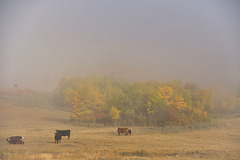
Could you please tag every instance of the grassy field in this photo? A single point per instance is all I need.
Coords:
(38, 126)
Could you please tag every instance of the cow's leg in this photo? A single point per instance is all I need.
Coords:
(68, 134)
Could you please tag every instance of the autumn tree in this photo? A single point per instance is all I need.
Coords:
(166, 93)
(114, 114)
(202, 104)
(86, 103)
(154, 106)
(186, 106)
(229, 104)
(103, 100)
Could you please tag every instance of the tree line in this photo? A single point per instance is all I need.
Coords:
(109, 101)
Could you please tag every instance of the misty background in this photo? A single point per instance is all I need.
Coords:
(192, 41)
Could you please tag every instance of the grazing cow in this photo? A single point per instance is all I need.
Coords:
(64, 132)
(129, 131)
(122, 130)
(58, 137)
(15, 140)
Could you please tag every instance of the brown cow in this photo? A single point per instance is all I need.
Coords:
(122, 130)
(15, 140)
(129, 131)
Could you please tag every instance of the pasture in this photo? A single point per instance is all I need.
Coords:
(38, 126)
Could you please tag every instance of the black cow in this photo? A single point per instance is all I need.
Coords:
(15, 140)
(58, 137)
(64, 132)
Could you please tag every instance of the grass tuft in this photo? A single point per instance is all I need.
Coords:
(196, 126)
(140, 153)
(4, 155)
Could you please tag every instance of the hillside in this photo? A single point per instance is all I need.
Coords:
(27, 97)
(24, 107)
(32, 115)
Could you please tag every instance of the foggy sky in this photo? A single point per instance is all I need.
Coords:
(192, 41)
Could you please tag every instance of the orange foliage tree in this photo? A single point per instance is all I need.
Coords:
(185, 112)
(86, 103)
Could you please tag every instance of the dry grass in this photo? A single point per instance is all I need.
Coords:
(38, 127)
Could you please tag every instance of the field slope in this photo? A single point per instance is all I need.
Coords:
(31, 115)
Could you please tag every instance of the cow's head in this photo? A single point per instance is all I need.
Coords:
(116, 128)
(8, 139)
(22, 137)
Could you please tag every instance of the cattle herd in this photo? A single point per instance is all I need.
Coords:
(60, 133)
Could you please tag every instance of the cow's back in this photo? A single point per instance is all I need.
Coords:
(64, 132)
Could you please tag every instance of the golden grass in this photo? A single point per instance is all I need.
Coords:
(38, 127)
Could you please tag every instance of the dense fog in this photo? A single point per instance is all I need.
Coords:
(191, 41)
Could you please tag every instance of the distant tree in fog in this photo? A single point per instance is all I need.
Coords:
(103, 100)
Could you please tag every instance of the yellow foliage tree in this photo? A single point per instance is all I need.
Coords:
(114, 113)
(178, 103)
(149, 107)
(202, 102)
(85, 101)
(165, 93)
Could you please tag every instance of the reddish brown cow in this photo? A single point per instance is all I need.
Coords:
(122, 130)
